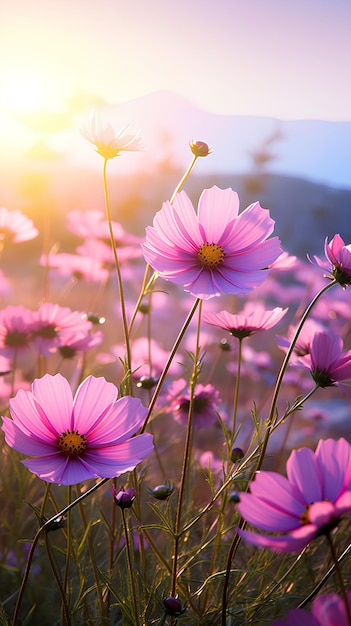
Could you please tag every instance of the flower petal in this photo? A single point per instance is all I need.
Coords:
(217, 207)
(293, 542)
(25, 413)
(24, 443)
(93, 399)
(50, 468)
(334, 460)
(122, 421)
(115, 460)
(265, 515)
(304, 475)
(54, 401)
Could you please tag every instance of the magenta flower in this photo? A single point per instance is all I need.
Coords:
(94, 225)
(327, 362)
(124, 498)
(327, 610)
(297, 617)
(217, 251)
(72, 439)
(206, 403)
(303, 343)
(338, 255)
(16, 227)
(76, 344)
(143, 350)
(245, 323)
(54, 324)
(101, 251)
(80, 267)
(16, 327)
(308, 503)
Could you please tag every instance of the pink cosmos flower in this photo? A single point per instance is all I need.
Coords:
(309, 502)
(93, 224)
(16, 327)
(206, 403)
(285, 262)
(53, 324)
(303, 343)
(80, 267)
(109, 143)
(217, 251)
(142, 350)
(76, 344)
(327, 362)
(72, 439)
(327, 610)
(101, 252)
(16, 227)
(338, 254)
(247, 322)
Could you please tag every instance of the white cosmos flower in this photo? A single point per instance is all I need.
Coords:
(109, 143)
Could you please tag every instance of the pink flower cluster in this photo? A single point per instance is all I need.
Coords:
(49, 329)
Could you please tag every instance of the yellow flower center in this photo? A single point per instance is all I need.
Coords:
(304, 518)
(72, 442)
(210, 254)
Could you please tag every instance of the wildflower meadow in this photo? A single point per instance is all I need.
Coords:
(174, 448)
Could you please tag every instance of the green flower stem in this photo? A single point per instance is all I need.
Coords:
(162, 620)
(147, 283)
(270, 424)
(118, 270)
(291, 411)
(65, 610)
(295, 407)
(237, 470)
(339, 577)
(186, 458)
(143, 291)
(68, 549)
(236, 394)
(112, 533)
(272, 412)
(183, 179)
(324, 579)
(169, 361)
(130, 569)
(42, 529)
(97, 580)
(45, 499)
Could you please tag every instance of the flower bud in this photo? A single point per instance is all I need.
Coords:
(236, 455)
(173, 606)
(200, 148)
(162, 492)
(94, 318)
(146, 382)
(124, 498)
(225, 345)
(234, 497)
(56, 524)
(144, 308)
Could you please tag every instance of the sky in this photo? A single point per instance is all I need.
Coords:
(282, 58)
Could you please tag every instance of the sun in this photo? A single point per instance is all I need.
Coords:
(25, 92)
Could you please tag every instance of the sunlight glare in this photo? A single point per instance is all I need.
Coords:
(28, 93)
